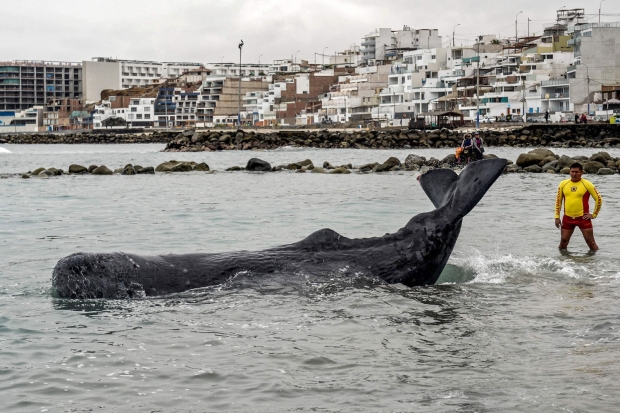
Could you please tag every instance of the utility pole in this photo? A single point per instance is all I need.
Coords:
(588, 78)
(516, 32)
(323, 56)
(523, 111)
(453, 29)
(599, 12)
(239, 92)
(478, 84)
(528, 27)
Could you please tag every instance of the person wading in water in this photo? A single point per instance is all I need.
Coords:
(576, 193)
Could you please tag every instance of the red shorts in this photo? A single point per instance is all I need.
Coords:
(571, 223)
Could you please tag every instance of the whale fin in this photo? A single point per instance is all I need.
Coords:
(439, 184)
(460, 194)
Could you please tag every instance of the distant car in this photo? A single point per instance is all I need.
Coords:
(487, 119)
(516, 118)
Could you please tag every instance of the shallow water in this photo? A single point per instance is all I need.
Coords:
(514, 326)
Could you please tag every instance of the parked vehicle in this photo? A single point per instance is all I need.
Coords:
(487, 119)
(516, 118)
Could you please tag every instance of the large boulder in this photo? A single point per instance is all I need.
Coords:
(605, 171)
(102, 170)
(412, 160)
(37, 171)
(166, 166)
(128, 170)
(183, 167)
(592, 167)
(146, 170)
(368, 167)
(392, 162)
(340, 170)
(52, 172)
(533, 168)
(565, 162)
(601, 157)
(533, 157)
(77, 169)
(202, 167)
(258, 165)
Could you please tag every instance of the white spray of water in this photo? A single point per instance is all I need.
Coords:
(3, 150)
(494, 267)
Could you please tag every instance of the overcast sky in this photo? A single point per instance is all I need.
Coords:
(208, 31)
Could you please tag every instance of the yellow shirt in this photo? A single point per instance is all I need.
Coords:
(576, 196)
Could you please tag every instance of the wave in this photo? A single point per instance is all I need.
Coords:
(2, 150)
(473, 266)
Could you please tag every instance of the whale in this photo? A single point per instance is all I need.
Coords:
(415, 255)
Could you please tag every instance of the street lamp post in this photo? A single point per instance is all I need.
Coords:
(516, 32)
(239, 90)
(323, 55)
(599, 11)
(453, 29)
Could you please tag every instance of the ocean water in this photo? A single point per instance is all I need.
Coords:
(511, 326)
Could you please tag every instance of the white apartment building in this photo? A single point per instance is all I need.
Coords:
(232, 69)
(139, 114)
(107, 73)
(387, 44)
(104, 111)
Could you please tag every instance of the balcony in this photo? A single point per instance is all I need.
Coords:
(554, 82)
(552, 96)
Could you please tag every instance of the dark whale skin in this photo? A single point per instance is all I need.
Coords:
(415, 255)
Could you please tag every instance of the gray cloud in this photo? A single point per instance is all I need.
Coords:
(204, 31)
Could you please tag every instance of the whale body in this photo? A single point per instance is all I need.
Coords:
(415, 255)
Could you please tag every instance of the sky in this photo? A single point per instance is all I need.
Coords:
(209, 31)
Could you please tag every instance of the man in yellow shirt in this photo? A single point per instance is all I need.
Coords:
(576, 193)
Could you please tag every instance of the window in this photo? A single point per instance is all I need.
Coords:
(433, 56)
(419, 57)
(147, 116)
(134, 109)
(147, 109)
(139, 116)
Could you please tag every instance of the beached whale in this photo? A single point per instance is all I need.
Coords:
(414, 255)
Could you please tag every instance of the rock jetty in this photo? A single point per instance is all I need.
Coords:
(539, 160)
(531, 135)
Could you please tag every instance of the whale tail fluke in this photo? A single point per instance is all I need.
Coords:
(459, 194)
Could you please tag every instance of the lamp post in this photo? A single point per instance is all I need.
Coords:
(323, 56)
(453, 29)
(588, 78)
(239, 92)
(599, 11)
(516, 32)
(259, 61)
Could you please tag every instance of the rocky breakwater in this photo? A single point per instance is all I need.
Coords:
(544, 160)
(597, 136)
(129, 169)
(87, 137)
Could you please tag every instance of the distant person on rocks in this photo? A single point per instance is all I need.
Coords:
(477, 146)
(467, 148)
(576, 117)
(576, 193)
(584, 119)
(546, 116)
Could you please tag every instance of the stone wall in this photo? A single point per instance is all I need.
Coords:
(568, 135)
